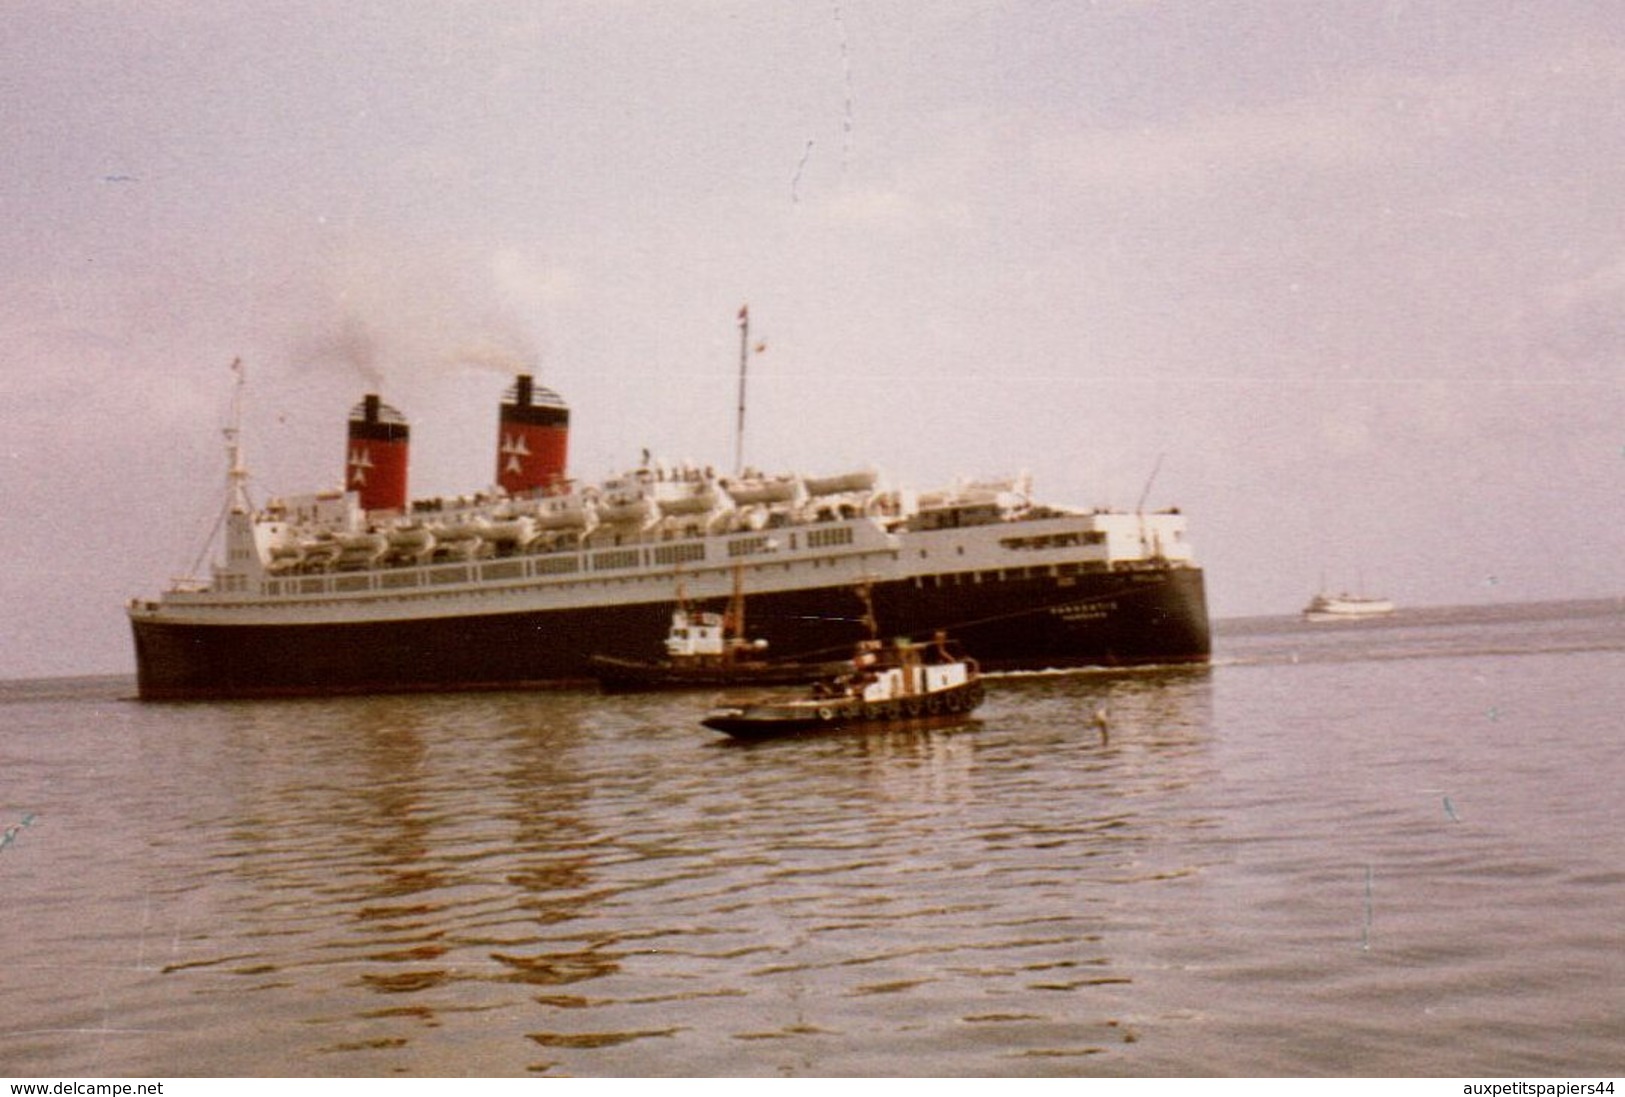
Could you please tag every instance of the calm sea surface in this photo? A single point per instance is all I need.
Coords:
(1392, 847)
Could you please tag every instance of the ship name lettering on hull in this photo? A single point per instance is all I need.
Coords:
(1084, 611)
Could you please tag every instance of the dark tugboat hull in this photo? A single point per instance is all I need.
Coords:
(773, 719)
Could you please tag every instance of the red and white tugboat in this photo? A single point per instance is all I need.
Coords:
(887, 684)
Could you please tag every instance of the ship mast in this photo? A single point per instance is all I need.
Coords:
(744, 359)
(1139, 508)
(734, 619)
(236, 471)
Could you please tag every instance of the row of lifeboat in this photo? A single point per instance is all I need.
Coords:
(693, 501)
(642, 499)
(414, 542)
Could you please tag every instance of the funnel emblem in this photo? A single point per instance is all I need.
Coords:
(513, 448)
(360, 462)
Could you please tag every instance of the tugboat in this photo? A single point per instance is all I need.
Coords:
(887, 684)
(708, 650)
(702, 652)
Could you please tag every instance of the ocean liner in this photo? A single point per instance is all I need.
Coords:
(366, 590)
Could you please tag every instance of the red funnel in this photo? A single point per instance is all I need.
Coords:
(533, 439)
(375, 459)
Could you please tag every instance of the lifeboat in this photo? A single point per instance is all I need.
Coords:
(761, 490)
(564, 512)
(285, 558)
(370, 541)
(625, 508)
(319, 553)
(461, 548)
(687, 497)
(360, 550)
(454, 532)
(412, 538)
(410, 544)
(751, 519)
(519, 531)
(862, 480)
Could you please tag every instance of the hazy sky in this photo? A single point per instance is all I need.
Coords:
(1354, 272)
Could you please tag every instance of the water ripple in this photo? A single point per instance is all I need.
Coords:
(1334, 865)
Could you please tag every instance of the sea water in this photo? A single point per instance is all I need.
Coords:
(1369, 848)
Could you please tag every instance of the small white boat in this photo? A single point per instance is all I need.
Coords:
(1344, 607)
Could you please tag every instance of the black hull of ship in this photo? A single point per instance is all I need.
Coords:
(1109, 618)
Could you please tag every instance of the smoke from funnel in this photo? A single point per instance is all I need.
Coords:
(489, 355)
(392, 312)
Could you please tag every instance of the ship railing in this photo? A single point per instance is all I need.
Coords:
(579, 559)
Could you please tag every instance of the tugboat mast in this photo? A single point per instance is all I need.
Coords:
(744, 359)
